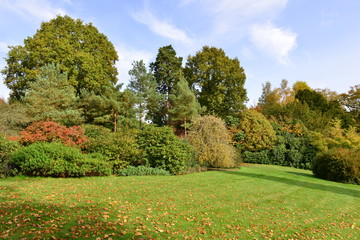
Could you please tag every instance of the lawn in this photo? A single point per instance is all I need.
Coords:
(254, 202)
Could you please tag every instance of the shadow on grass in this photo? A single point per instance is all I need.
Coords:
(293, 182)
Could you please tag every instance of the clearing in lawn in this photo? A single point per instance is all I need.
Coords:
(256, 201)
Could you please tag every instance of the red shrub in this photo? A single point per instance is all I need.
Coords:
(49, 131)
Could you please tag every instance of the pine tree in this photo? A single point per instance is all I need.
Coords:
(184, 106)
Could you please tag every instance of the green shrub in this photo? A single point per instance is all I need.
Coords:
(121, 148)
(261, 157)
(163, 149)
(57, 160)
(338, 164)
(142, 171)
(6, 148)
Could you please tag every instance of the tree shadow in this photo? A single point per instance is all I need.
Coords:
(293, 182)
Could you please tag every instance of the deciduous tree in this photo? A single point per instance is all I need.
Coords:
(218, 81)
(80, 50)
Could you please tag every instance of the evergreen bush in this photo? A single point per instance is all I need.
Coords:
(57, 160)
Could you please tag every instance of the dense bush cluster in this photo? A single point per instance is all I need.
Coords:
(6, 149)
(50, 131)
(163, 149)
(57, 160)
(338, 164)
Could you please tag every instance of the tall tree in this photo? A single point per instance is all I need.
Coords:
(218, 81)
(143, 84)
(52, 97)
(184, 105)
(167, 71)
(80, 50)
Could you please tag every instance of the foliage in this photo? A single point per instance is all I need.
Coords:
(57, 160)
(167, 71)
(80, 49)
(120, 149)
(351, 101)
(143, 84)
(338, 164)
(211, 140)
(163, 149)
(254, 132)
(142, 171)
(184, 106)
(49, 131)
(6, 149)
(112, 108)
(217, 80)
(13, 118)
(293, 148)
(52, 87)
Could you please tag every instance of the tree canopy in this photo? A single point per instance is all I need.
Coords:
(85, 54)
(217, 80)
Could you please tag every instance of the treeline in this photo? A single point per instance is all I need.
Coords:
(68, 117)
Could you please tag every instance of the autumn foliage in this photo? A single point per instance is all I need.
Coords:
(49, 131)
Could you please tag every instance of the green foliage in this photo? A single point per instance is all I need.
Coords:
(338, 164)
(120, 148)
(254, 132)
(163, 149)
(142, 171)
(143, 84)
(111, 108)
(6, 149)
(57, 160)
(217, 80)
(52, 87)
(184, 106)
(13, 118)
(81, 51)
(210, 138)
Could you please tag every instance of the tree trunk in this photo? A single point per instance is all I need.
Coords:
(115, 121)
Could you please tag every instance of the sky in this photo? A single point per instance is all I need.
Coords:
(316, 41)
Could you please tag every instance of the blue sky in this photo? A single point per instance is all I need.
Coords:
(316, 41)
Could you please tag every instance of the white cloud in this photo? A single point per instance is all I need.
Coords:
(161, 28)
(38, 9)
(276, 42)
(234, 15)
(126, 57)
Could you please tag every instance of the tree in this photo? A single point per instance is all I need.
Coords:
(167, 71)
(107, 107)
(184, 106)
(52, 97)
(254, 132)
(80, 50)
(210, 138)
(217, 80)
(143, 85)
(351, 101)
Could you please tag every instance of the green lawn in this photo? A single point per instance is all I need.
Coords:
(254, 202)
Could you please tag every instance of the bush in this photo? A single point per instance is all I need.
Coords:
(338, 164)
(121, 148)
(49, 131)
(57, 160)
(254, 132)
(6, 149)
(163, 149)
(261, 157)
(211, 140)
(142, 171)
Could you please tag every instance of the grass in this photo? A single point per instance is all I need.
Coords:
(254, 202)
